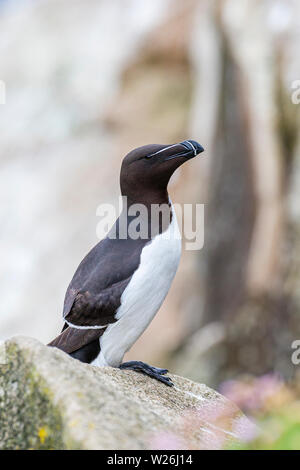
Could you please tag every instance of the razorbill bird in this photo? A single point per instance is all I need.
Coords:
(122, 282)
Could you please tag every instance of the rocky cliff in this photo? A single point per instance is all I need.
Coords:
(51, 401)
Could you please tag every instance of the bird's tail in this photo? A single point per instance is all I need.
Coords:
(81, 344)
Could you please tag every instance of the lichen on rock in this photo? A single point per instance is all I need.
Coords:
(28, 418)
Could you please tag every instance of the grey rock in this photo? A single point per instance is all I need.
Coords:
(51, 401)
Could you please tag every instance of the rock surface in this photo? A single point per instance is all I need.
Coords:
(51, 401)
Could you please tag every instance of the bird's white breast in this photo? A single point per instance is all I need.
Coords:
(143, 296)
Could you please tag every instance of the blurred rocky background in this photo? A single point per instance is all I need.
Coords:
(86, 81)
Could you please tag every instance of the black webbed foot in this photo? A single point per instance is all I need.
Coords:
(155, 372)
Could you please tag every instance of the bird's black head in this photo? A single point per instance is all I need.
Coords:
(148, 169)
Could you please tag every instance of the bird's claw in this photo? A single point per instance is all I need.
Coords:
(151, 371)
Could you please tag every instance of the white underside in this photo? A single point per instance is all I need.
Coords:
(143, 296)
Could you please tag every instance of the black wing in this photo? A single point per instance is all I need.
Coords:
(94, 294)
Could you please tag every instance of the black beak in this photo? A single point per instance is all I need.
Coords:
(193, 146)
(191, 149)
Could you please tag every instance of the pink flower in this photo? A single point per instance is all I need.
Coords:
(252, 395)
(166, 441)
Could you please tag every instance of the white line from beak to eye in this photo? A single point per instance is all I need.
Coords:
(162, 150)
